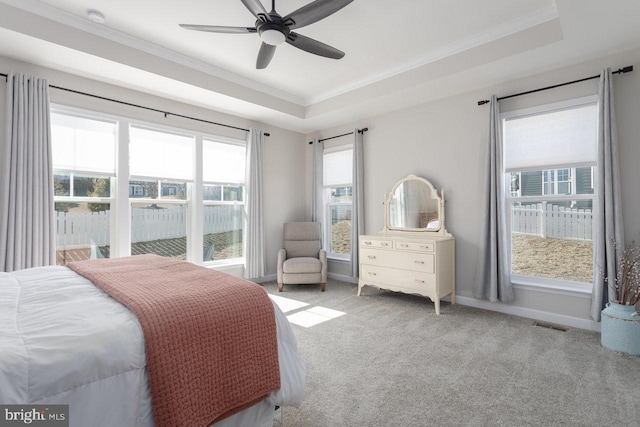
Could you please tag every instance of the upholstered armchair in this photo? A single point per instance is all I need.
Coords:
(302, 260)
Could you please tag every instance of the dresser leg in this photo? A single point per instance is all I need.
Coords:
(453, 297)
(437, 304)
(359, 289)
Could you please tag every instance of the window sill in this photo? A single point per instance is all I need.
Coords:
(558, 287)
(225, 265)
(340, 260)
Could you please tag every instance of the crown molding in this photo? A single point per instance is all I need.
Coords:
(538, 17)
(83, 24)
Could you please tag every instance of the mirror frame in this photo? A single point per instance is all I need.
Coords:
(434, 195)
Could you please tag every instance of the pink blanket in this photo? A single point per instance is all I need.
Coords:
(210, 337)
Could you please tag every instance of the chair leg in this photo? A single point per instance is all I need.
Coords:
(279, 287)
(322, 286)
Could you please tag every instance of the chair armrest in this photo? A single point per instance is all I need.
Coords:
(322, 255)
(282, 257)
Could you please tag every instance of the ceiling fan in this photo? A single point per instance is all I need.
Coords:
(275, 29)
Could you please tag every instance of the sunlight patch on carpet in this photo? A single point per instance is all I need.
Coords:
(287, 304)
(314, 316)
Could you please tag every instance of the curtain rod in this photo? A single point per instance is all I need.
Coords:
(338, 136)
(166, 113)
(627, 69)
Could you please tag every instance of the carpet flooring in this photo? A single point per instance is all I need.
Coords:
(390, 361)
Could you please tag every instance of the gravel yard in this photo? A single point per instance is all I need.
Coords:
(556, 258)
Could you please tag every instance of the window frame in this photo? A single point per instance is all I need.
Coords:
(71, 198)
(328, 205)
(537, 282)
(223, 202)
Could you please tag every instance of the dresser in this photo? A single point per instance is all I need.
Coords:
(412, 254)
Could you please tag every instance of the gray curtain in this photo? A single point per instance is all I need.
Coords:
(254, 240)
(608, 209)
(493, 281)
(317, 205)
(357, 215)
(27, 228)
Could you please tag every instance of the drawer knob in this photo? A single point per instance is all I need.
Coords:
(371, 256)
(372, 274)
(419, 281)
(404, 245)
(418, 262)
(425, 247)
(385, 244)
(367, 243)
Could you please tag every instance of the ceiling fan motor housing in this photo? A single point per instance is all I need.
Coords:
(273, 32)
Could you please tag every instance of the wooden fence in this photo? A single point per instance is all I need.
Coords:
(548, 220)
(81, 228)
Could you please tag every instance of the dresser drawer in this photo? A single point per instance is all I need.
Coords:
(414, 261)
(393, 278)
(376, 243)
(414, 246)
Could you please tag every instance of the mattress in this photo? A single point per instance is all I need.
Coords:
(64, 341)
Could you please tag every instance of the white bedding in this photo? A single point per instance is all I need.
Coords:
(64, 341)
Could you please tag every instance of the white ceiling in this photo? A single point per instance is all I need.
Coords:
(398, 53)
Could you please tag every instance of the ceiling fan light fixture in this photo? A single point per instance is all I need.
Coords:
(272, 37)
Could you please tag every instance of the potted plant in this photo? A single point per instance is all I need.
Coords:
(620, 328)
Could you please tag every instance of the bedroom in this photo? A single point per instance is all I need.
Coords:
(432, 128)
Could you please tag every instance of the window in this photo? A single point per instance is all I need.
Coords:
(84, 163)
(125, 187)
(338, 201)
(161, 169)
(223, 164)
(549, 160)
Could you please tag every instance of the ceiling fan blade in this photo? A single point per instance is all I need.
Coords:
(313, 46)
(219, 29)
(313, 12)
(257, 9)
(265, 55)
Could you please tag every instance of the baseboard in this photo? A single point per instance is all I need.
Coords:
(269, 278)
(342, 278)
(334, 276)
(545, 316)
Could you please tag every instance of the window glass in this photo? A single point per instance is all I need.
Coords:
(161, 165)
(223, 165)
(83, 153)
(213, 192)
(338, 200)
(159, 229)
(157, 189)
(223, 232)
(550, 207)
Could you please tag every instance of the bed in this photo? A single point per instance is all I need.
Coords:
(63, 340)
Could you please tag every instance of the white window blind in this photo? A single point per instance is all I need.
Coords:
(338, 167)
(562, 138)
(157, 154)
(223, 162)
(83, 145)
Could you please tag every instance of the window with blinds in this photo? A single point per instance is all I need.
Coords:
(223, 172)
(550, 153)
(84, 163)
(338, 200)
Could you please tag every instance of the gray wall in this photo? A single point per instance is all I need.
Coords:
(283, 186)
(445, 141)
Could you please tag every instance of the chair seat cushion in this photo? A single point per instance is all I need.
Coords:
(302, 265)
